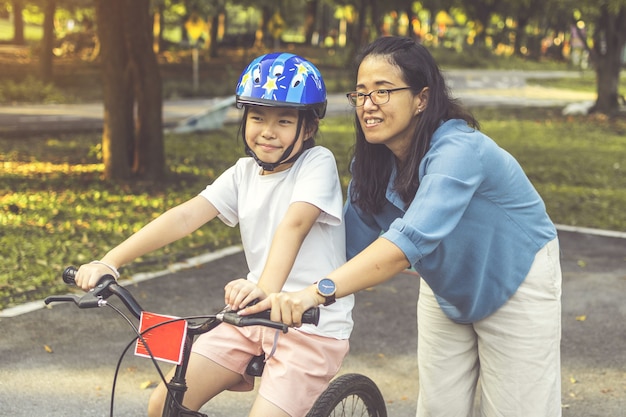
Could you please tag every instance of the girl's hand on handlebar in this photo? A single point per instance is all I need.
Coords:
(287, 307)
(88, 275)
(241, 292)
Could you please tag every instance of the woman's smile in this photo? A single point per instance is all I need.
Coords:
(372, 121)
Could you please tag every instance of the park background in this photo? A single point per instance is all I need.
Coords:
(68, 197)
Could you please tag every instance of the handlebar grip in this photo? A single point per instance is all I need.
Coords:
(69, 275)
(311, 316)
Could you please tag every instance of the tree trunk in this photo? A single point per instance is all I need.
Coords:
(520, 31)
(47, 43)
(310, 20)
(408, 9)
(18, 23)
(149, 157)
(130, 72)
(377, 18)
(117, 136)
(214, 30)
(609, 42)
(483, 16)
(362, 32)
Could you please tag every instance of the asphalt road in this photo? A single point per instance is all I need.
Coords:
(60, 361)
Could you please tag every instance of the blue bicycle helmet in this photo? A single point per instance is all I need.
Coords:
(282, 80)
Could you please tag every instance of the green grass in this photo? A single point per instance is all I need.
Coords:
(55, 210)
(585, 81)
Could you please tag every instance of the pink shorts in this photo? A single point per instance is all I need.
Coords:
(298, 372)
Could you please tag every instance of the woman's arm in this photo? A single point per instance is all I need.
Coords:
(290, 233)
(376, 264)
(170, 226)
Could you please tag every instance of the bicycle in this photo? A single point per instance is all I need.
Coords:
(348, 395)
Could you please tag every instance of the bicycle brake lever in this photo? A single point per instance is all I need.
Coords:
(89, 300)
(61, 299)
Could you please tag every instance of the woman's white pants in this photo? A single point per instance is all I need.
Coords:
(512, 357)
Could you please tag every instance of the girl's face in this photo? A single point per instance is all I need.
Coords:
(270, 131)
(393, 123)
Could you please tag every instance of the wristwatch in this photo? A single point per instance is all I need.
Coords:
(326, 288)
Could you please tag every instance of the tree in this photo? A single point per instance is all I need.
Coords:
(49, 8)
(18, 22)
(130, 77)
(47, 42)
(310, 14)
(524, 11)
(606, 22)
(609, 38)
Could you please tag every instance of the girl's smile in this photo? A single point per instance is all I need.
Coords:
(270, 131)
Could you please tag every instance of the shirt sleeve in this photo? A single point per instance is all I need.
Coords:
(450, 175)
(223, 194)
(317, 183)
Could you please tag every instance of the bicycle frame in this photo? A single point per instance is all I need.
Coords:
(177, 385)
(348, 395)
(107, 286)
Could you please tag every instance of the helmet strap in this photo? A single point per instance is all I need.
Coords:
(271, 166)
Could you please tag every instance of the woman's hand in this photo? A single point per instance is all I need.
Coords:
(241, 292)
(287, 307)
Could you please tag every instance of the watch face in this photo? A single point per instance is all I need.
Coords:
(326, 287)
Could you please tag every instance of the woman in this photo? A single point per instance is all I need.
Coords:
(429, 190)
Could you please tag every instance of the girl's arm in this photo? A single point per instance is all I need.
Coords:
(290, 233)
(170, 226)
(376, 264)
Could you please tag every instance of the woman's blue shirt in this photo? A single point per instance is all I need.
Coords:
(473, 228)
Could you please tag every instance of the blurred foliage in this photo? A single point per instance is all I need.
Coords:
(30, 90)
(78, 81)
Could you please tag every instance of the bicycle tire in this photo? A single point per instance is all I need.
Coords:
(350, 395)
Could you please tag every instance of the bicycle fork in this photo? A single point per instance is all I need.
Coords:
(177, 387)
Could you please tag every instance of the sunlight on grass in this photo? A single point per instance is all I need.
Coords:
(27, 169)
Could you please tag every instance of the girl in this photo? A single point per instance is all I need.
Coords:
(286, 198)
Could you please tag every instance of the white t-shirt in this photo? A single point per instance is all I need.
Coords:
(258, 203)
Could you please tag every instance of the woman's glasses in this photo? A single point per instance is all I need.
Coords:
(378, 97)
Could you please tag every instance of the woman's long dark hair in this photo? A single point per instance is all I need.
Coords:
(372, 163)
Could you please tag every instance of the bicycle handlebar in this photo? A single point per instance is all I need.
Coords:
(107, 286)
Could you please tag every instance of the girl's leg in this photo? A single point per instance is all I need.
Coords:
(263, 407)
(200, 387)
(447, 361)
(519, 346)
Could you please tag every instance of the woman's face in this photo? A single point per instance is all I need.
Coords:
(393, 123)
(270, 131)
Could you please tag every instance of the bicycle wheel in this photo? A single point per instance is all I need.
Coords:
(350, 395)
